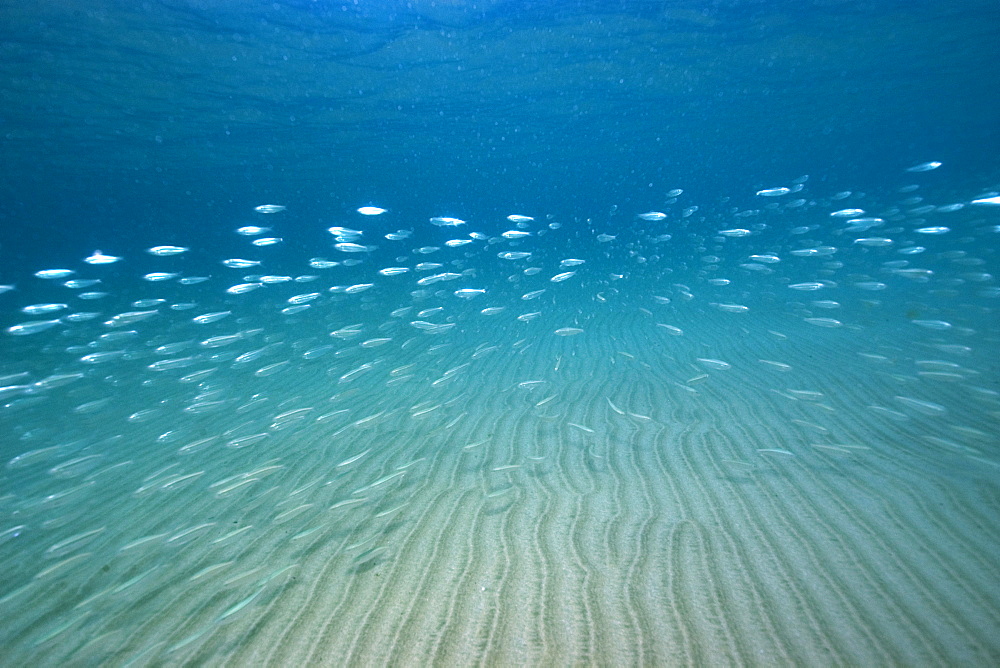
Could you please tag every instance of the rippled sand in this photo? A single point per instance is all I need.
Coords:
(751, 491)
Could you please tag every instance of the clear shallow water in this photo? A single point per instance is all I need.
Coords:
(750, 426)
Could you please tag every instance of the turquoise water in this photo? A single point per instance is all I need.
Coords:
(499, 333)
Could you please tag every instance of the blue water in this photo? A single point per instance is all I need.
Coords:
(165, 119)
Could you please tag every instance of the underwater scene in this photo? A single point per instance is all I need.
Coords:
(499, 333)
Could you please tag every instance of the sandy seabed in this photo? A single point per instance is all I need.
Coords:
(739, 491)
